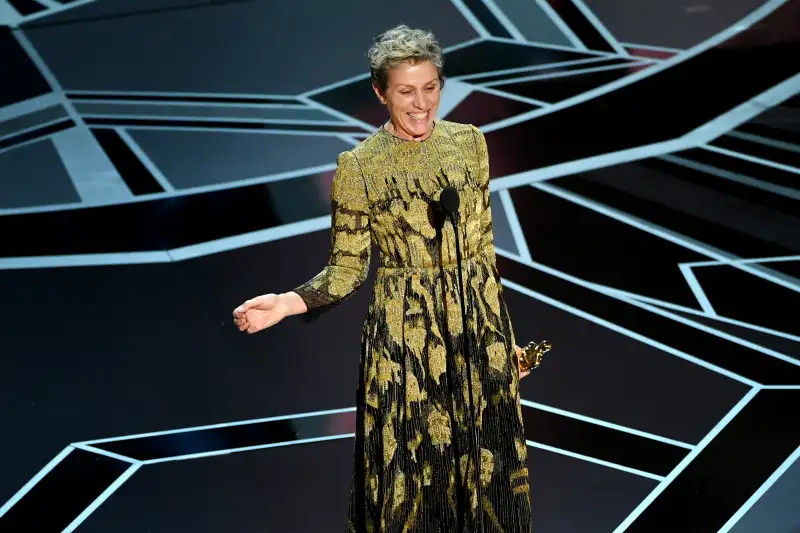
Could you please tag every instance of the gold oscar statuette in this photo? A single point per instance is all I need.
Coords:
(531, 356)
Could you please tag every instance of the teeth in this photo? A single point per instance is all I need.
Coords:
(418, 117)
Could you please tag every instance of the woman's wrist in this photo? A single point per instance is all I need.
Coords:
(292, 303)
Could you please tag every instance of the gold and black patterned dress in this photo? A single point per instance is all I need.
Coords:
(412, 451)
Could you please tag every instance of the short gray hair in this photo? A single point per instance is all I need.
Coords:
(402, 44)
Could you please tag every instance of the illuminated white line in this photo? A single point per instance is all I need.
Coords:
(686, 460)
(756, 15)
(610, 425)
(527, 177)
(35, 127)
(463, 44)
(782, 387)
(710, 130)
(760, 492)
(627, 296)
(331, 111)
(516, 228)
(266, 130)
(641, 304)
(566, 73)
(81, 260)
(470, 18)
(50, 4)
(624, 331)
(560, 24)
(183, 94)
(598, 25)
(303, 97)
(221, 120)
(289, 174)
(44, 70)
(35, 479)
(59, 8)
(560, 451)
(223, 425)
(34, 141)
(651, 47)
(364, 76)
(334, 85)
(504, 20)
(552, 46)
(112, 455)
(246, 182)
(31, 105)
(772, 259)
(697, 290)
(691, 244)
(106, 494)
(732, 176)
(531, 68)
(707, 329)
(189, 103)
(176, 254)
(230, 451)
(766, 141)
(745, 111)
(349, 139)
(753, 159)
(509, 96)
(250, 239)
(145, 160)
(624, 295)
(455, 92)
(759, 270)
(9, 15)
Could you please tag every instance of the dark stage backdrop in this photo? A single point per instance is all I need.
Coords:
(163, 160)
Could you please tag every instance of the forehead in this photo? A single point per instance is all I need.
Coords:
(407, 73)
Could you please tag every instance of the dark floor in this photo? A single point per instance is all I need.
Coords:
(162, 160)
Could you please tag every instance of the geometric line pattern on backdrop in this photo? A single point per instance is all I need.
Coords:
(121, 457)
(43, 251)
(140, 450)
(768, 407)
(632, 452)
(528, 176)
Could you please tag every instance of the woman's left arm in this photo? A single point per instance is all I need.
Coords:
(487, 233)
(482, 162)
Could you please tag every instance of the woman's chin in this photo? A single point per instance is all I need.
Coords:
(420, 130)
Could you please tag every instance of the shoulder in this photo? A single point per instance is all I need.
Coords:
(369, 146)
(458, 129)
(467, 136)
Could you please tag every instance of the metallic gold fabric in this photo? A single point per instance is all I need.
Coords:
(413, 466)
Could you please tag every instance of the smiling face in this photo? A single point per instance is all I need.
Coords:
(412, 98)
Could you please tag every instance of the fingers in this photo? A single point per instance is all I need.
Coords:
(242, 309)
(266, 301)
(245, 307)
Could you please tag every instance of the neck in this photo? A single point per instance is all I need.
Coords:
(390, 127)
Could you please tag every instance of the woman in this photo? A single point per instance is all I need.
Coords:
(414, 463)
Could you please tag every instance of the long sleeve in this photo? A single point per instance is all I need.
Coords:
(348, 263)
(487, 232)
(482, 155)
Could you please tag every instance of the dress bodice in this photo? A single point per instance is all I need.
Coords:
(386, 191)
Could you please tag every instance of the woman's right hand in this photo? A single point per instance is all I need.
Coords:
(260, 313)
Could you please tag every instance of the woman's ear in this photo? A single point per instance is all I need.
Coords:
(379, 94)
